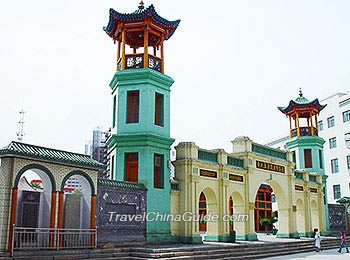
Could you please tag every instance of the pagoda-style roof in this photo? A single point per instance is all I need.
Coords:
(118, 20)
(22, 150)
(301, 103)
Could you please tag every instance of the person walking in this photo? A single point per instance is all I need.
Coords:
(317, 240)
(343, 242)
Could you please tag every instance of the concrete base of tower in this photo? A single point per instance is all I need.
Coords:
(160, 238)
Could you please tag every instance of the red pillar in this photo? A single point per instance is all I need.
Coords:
(60, 216)
(93, 218)
(12, 217)
(52, 215)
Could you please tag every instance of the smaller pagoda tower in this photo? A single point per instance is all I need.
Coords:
(306, 145)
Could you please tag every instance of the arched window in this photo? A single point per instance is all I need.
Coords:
(202, 212)
(230, 211)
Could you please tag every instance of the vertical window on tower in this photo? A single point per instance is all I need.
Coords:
(158, 171)
(131, 167)
(112, 168)
(307, 158)
(348, 161)
(159, 109)
(114, 112)
(294, 157)
(133, 107)
(320, 159)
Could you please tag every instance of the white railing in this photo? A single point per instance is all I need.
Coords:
(52, 238)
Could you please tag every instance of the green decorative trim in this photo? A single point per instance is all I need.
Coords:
(309, 234)
(83, 174)
(140, 77)
(120, 184)
(39, 167)
(312, 178)
(204, 155)
(236, 162)
(268, 151)
(145, 139)
(288, 235)
(299, 175)
(251, 237)
(211, 238)
(50, 155)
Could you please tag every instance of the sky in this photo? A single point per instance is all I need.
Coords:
(234, 62)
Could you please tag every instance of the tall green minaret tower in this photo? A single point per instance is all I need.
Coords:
(140, 141)
(306, 145)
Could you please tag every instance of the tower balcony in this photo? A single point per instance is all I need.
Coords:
(137, 61)
(304, 131)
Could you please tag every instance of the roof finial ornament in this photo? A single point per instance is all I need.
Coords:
(300, 92)
(141, 7)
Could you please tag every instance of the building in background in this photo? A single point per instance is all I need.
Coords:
(97, 149)
(334, 124)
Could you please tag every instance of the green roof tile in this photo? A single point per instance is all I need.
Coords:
(49, 154)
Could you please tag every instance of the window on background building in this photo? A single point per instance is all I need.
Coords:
(346, 116)
(330, 121)
(348, 161)
(131, 167)
(336, 192)
(133, 106)
(159, 110)
(320, 158)
(334, 165)
(320, 125)
(332, 142)
(307, 158)
(158, 171)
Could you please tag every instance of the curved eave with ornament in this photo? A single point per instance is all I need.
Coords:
(314, 106)
(143, 28)
(139, 19)
(302, 108)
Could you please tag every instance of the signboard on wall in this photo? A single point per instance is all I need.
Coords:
(206, 173)
(234, 177)
(270, 166)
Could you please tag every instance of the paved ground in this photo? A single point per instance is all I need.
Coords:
(326, 254)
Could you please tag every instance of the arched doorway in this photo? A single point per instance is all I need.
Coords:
(35, 186)
(77, 209)
(202, 211)
(265, 207)
(235, 211)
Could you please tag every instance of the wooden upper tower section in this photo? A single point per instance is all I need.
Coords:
(140, 36)
(302, 116)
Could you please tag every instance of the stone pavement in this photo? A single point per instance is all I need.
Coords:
(326, 254)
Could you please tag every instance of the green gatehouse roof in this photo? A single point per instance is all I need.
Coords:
(344, 200)
(48, 154)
